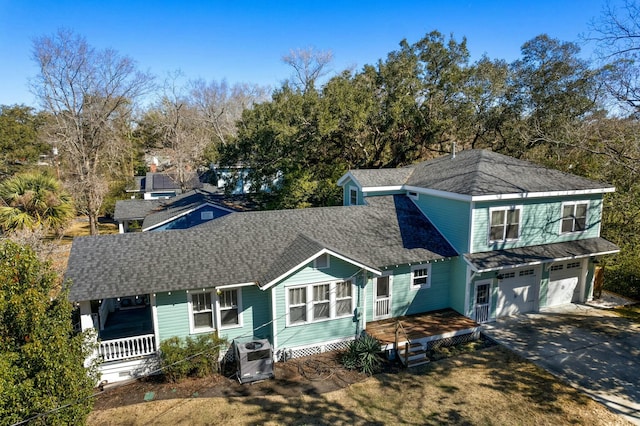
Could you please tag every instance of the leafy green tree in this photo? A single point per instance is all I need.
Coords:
(19, 142)
(41, 358)
(34, 200)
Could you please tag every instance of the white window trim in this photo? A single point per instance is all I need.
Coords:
(505, 209)
(310, 303)
(426, 266)
(574, 204)
(351, 190)
(192, 329)
(215, 311)
(219, 310)
(328, 265)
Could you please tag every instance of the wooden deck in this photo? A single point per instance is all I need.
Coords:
(430, 324)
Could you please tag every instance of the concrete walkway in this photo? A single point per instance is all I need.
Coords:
(592, 349)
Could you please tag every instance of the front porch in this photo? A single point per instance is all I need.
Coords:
(411, 336)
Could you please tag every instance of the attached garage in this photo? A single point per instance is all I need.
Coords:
(517, 291)
(565, 283)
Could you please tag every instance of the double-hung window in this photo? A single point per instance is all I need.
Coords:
(504, 224)
(298, 305)
(202, 311)
(229, 308)
(421, 276)
(574, 217)
(353, 196)
(320, 302)
(211, 310)
(344, 300)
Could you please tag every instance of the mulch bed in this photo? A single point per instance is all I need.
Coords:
(311, 375)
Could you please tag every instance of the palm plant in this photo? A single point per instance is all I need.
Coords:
(34, 200)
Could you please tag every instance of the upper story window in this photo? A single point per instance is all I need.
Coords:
(421, 276)
(574, 217)
(321, 262)
(353, 196)
(504, 223)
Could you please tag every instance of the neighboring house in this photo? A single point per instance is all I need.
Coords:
(415, 254)
(155, 185)
(180, 212)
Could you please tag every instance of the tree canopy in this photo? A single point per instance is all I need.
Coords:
(41, 357)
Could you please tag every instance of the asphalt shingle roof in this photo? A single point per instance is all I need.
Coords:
(478, 172)
(179, 205)
(251, 247)
(540, 254)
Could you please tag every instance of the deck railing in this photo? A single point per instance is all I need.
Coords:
(128, 347)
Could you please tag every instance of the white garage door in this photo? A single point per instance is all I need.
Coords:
(564, 283)
(517, 292)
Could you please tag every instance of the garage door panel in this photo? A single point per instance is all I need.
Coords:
(517, 293)
(564, 284)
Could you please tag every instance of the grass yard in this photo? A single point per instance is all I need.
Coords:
(632, 312)
(488, 387)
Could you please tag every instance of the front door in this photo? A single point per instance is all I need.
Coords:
(482, 302)
(382, 297)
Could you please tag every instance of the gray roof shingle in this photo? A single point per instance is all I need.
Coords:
(476, 173)
(251, 247)
(511, 258)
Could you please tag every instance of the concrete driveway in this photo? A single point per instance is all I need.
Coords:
(592, 349)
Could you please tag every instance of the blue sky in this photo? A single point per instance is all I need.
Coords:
(244, 41)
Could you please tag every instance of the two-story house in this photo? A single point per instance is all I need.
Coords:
(431, 250)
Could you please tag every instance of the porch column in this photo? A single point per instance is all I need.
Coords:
(86, 320)
(154, 320)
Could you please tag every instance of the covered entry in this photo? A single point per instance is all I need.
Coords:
(565, 283)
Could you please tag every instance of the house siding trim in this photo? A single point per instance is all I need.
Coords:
(314, 257)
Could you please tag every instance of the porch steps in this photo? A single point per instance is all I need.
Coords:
(413, 354)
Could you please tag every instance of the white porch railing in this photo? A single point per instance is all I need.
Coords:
(382, 307)
(482, 313)
(126, 348)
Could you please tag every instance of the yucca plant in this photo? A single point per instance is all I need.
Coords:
(363, 354)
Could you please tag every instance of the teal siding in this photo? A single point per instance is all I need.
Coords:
(322, 331)
(540, 222)
(346, 195)
(408, 301)
(450, 217)
(458, 285)
(173, 314)
(383, 193)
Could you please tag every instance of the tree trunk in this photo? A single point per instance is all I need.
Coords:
(93, 223)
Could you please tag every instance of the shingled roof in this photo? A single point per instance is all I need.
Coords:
(157, 211)
(251, 247)
(477, 173)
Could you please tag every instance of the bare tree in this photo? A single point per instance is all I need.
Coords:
(309, 65)
(617, 34)
(220, 105)
(88, 93)
(183, 134)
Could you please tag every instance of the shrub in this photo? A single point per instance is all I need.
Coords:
(362, 355)
(181, 358)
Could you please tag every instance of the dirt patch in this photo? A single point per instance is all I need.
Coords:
(314, 375)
